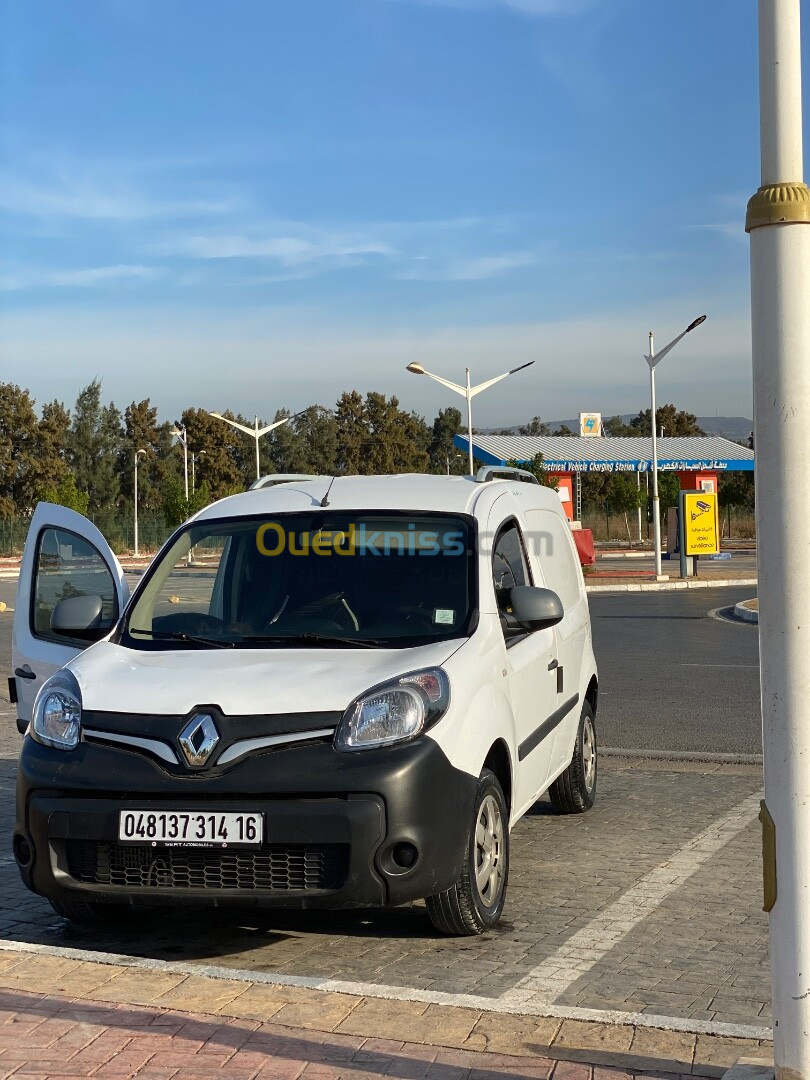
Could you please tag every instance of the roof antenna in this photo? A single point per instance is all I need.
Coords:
(325, 499)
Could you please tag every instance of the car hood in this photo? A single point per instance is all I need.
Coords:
(241, 682)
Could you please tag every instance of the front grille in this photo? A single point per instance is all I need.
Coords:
(275, 869)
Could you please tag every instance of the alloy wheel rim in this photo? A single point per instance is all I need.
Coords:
(489, 851)
(589, 753)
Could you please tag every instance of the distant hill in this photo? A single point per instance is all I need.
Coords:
(735, 428)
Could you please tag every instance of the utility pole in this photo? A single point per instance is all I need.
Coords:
(777, 220)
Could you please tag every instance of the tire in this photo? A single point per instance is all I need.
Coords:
(474, 903)
(88, 913)
(574, 791)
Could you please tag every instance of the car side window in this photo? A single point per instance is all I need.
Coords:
(67, 565)
(509, 568)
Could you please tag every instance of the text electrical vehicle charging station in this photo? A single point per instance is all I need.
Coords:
(323, 693)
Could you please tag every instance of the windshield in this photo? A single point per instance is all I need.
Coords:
(317, 579)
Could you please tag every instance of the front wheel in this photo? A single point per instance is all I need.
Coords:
(475, 902)
(574, 791)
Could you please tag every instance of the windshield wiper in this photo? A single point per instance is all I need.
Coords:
(312, 639)
(177, 635)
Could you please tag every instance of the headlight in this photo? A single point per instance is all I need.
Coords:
(394, 711)
(58, 712)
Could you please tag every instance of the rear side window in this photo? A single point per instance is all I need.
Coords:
(551, 539)
(66, 565)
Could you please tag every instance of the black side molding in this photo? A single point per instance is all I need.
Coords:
(12, 690)
(546, 727)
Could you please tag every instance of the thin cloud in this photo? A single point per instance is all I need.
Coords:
(533, 8)
(89, 277)
(74, 197)
(288, 250)
(470, 269)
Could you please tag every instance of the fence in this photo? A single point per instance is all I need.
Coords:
(734, 523)
(116, 528)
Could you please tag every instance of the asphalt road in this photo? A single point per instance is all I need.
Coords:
(672, 677)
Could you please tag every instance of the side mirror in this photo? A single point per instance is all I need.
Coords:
(79, 617)
(534, 608)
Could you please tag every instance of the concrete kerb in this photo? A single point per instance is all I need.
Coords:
(672, 586)
(639, 1041)
(744, 611)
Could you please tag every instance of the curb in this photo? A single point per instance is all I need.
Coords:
(747, 614)
(672, 586)
(709, 757)
(633, 1041)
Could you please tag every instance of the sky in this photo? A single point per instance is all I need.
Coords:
(263, 203)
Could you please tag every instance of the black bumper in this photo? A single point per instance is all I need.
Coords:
(333, 826)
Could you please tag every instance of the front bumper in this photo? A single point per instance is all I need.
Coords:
(334, 826)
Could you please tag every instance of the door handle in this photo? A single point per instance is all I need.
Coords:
(24, 672)
(553, 664)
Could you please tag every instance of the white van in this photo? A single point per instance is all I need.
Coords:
(330, 692)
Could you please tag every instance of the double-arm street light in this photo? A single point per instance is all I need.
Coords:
(467, 392)
(137, 455)
(255, 432)
(653, 360)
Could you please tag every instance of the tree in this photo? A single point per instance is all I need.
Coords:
(535, 427)
(736, 489)
(176, 507)
(65, 493)
(537, 467)
(675, 422)
(226, 451)
(625, 497)
(143, 432)
(563, 429)
(444, 455)
(615, 427)
(94, 446)
(19, 454)
(375, 436)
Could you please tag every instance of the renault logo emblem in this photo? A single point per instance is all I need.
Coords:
(198, 740)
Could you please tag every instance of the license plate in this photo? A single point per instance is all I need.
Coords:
(190, 828)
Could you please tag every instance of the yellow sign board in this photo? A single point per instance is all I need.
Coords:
(701, 523)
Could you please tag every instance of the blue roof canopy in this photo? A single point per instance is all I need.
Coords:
(571, 453)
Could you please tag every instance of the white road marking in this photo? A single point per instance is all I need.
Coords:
(756, 666)
(400, 993)
(588, 946)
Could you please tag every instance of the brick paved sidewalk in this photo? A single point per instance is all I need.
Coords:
(86, 1024)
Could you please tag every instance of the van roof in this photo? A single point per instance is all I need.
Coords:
(407, 491)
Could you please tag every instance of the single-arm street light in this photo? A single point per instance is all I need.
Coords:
(194, 459)
(467, 392)
(255, 432)
(137, 455)
(653, 360)
(180, 434)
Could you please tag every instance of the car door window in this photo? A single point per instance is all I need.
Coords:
(66, 565)
(509, 568)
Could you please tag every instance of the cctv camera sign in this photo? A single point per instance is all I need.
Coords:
(701, 525)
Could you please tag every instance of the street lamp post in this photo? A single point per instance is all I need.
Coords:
(255, 432)
(653, 359)
(180, 434)
(137, 455)
(467, 391)
(194, 459)
(778, 222)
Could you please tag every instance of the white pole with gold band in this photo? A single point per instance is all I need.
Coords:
(777, 221)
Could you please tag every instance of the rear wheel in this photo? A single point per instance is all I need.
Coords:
(88, 912)
(574, 791)
(475, 902)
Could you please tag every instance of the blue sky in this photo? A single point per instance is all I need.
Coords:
(264, 203)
